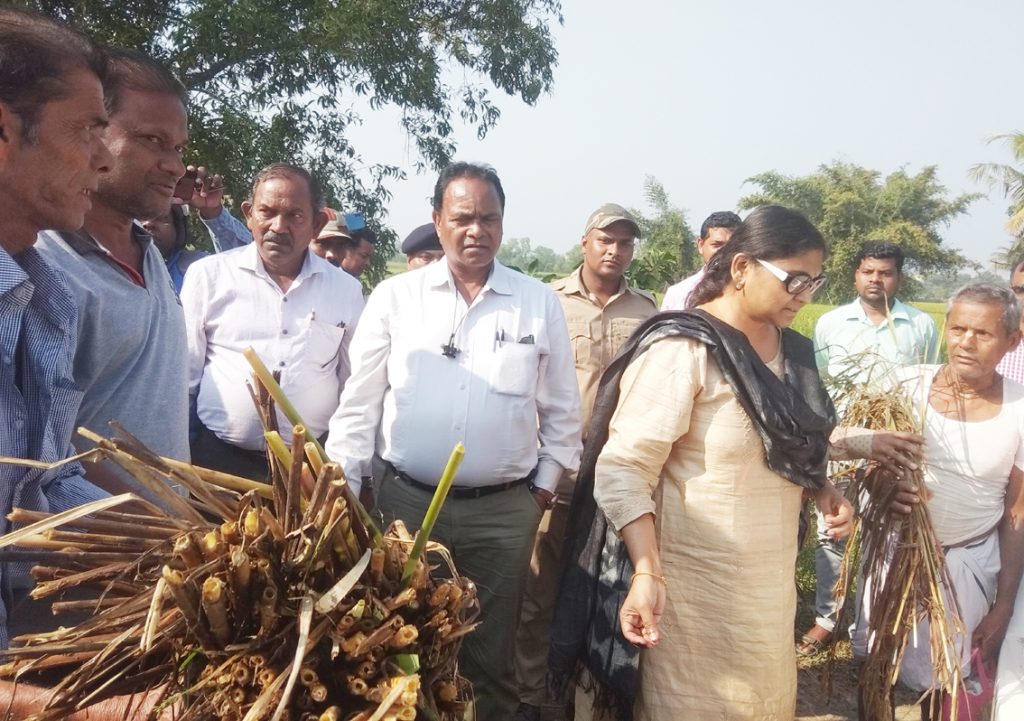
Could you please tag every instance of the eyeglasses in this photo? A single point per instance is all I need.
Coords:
(1018, 289)
(796, 283)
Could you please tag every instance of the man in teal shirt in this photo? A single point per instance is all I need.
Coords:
(855, 343)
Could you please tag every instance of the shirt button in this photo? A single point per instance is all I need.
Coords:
(462, 387)
(284, 300)
(19, 424)
(281, 364)
(284, 332)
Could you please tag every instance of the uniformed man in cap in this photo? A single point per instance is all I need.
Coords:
(333, 240)
(422, 247)
(601, 311)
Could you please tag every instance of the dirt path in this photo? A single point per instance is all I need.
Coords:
(814, 704)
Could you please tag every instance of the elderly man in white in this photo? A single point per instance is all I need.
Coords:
(973, 477)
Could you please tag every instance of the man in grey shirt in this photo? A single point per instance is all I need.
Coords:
(131, 361)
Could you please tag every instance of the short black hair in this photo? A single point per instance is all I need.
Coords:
(719, 219)
(363, 234)
(134, 70)
(454, 171)
(879, 250)
(276, 171)
(768, 233)
(37, 53)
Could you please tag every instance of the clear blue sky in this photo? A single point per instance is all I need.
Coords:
(703, 95)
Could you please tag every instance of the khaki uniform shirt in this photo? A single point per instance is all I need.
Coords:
(597, 333)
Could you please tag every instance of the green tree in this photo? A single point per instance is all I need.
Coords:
(541, 262)
(516, 253)
(666, 250)
(274, 80)
(1009, 179)
(850, 204)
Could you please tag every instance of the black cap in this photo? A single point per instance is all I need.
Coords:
(423, 238)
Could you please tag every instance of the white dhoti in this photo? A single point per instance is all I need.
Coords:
(973, 571)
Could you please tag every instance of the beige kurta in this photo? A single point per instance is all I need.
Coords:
(680, 445)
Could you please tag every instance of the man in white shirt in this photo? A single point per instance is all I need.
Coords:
(293, 307)
(715, 232)
(467, 350)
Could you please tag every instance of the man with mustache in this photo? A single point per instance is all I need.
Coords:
(601, 311)
(292, 306)
(131, 356)
(466, 351)
(51, 157)
(856, 343)
(715, 232)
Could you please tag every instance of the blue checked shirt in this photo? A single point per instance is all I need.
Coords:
(38, 399)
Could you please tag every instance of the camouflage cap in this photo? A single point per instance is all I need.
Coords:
(335, 227)
(610, 213)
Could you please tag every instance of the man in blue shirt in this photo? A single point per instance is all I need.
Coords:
(51, 158)
(858, 343)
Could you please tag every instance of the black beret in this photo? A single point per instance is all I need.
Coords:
(423, 238)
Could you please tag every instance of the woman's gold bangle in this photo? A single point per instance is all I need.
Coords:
(647, 573)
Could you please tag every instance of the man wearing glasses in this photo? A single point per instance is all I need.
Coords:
(1012, 364)
(857, 343)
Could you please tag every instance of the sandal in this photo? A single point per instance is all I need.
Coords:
(811, 646)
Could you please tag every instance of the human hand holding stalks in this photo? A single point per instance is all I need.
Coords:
(908, 494)
(897, 451)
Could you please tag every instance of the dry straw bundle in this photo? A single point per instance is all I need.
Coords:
(246, 601)
(904, 560)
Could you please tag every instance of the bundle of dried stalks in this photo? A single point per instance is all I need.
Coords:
(245, 601)
(904, 560)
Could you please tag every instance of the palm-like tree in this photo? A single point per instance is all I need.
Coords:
(1010, 180)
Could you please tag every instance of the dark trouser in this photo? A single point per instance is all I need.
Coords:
(490, 539)
(539, 597)
(209, 451)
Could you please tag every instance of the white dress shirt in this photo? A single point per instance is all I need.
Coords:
(677, 295)
(509, 394)
(231, 303)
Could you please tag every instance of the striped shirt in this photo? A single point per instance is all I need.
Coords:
(38, 398)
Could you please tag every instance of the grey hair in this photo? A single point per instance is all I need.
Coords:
(991, 294)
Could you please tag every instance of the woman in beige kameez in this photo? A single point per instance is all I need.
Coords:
(712, 530)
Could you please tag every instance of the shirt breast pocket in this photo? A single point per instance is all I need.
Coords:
(515, 369)
(622, 329)
(323, 343)
(582, 342)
